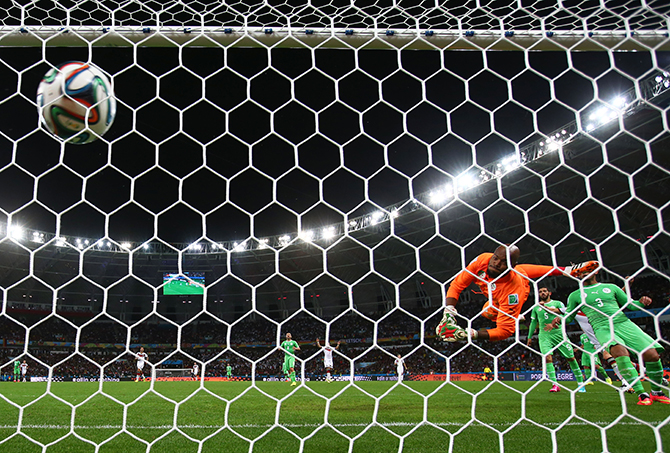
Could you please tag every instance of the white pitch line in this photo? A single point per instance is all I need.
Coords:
(300, 425)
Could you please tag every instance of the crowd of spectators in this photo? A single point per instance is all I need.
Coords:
(369, 342)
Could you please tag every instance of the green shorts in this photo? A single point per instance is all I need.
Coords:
(586, 359)
(289, 362)
(627, 334)
(551, 343)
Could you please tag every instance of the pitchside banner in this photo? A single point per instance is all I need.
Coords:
(503, 376)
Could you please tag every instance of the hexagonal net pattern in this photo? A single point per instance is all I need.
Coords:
(336, 170)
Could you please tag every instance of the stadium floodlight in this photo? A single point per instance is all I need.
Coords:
(38, 237)
(283, 240)
(306, 235)
(376, 217)
(145, 246)
(263, 243)
(441, 195)
(16, 232)
(328, 232)
(511, 162)
(465, 181)
(619, 102)
(60, 242)
(126, 245)
(395, 213)
(239, 247)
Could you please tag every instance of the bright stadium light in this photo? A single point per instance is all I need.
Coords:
(238, 247)
(283, 240)
(16, 232)
(328, 232)
(60, 242)
(465, 181)
(263, 243)
(306, 235)
(145, 246)
(511, 162)
(376, 217)
(126, 245)
(395, 213)
(38, 237)
(619, 102)
(442, 194)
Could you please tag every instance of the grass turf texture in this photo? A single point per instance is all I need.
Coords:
(153, 415)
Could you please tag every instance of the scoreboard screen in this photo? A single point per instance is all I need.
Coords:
(186, 284)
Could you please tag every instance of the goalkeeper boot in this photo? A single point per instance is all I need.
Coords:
(609, 381)
(555, 388)
(581, 389)
(294, 383)
(581, 270)
(659, 397)
(589, 383)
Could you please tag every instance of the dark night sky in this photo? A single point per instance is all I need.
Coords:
(252, 95)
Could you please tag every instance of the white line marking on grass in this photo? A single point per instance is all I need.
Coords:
(304, 425)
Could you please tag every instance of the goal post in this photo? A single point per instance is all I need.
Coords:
(326, 169)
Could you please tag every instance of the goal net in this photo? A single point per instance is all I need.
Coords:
(326, 169)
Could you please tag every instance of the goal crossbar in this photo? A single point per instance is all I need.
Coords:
(296, 37)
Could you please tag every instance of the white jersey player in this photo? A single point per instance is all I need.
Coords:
(24, 370)
(400, 367)
(142, 358)
(328, 358)
(195, 370)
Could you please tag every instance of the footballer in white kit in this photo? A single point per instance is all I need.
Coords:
(24, 370)
(194, 371)
(328, 358)
(142, 358)
(400, 367)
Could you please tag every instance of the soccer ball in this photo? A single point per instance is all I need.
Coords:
(76, 102)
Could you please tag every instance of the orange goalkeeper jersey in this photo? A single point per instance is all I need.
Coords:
(508, 293)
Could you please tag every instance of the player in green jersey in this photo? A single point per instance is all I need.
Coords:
(552, 340)
(229, 371)
(17, 371)
(602, 304)
(289, 346)
(588, 355)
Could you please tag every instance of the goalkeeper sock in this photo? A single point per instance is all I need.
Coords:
(551, 371)
(587, 374)
(629, 373)
(655, 373)
(574, 366)
(328, 375)
(293, 376)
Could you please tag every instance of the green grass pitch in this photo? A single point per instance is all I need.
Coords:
(234, 416)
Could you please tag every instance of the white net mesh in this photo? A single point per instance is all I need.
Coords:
(324, 169)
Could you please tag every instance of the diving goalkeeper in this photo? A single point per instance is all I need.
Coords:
(510, 288)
